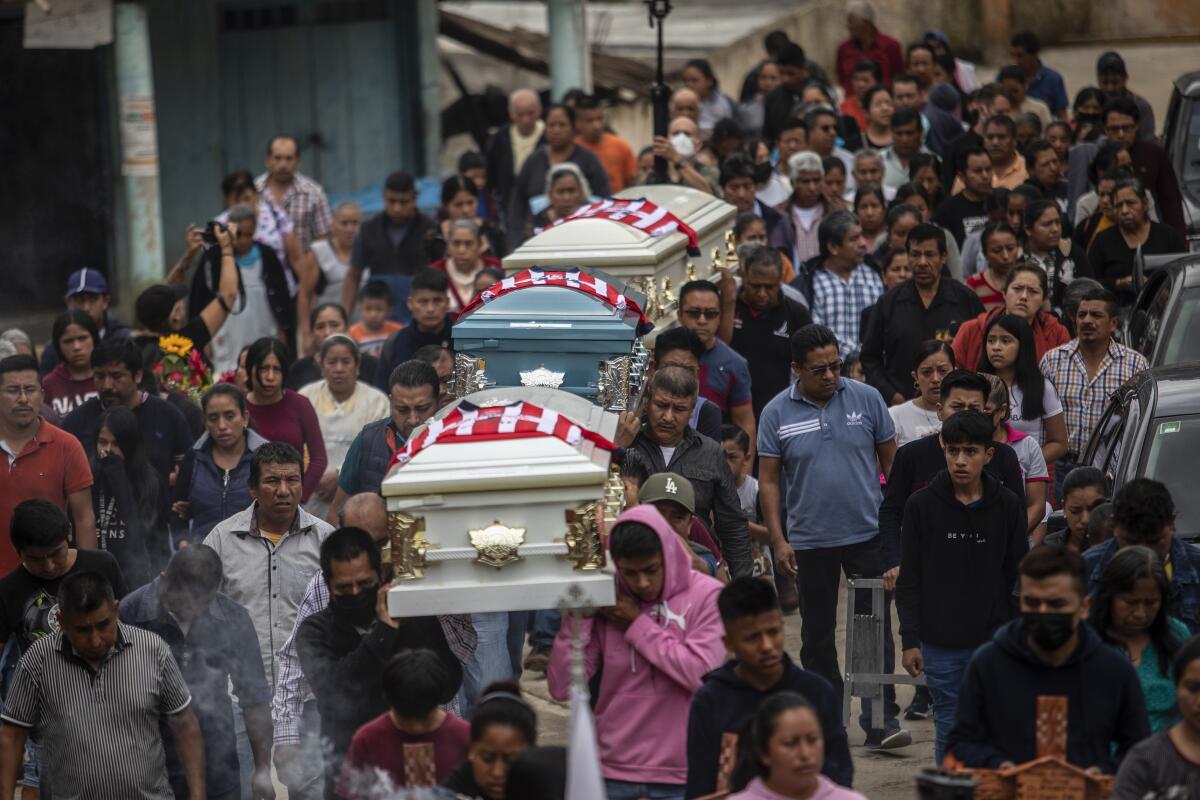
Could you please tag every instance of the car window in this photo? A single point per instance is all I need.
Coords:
(1191, 144)
(1146, 323)
(1183, 332)
(1170, 456)
(1107, 436)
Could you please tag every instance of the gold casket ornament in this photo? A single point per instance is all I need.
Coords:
(496, 545)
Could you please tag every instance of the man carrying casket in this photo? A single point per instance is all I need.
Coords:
(669, 444)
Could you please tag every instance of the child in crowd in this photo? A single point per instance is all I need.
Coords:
(375, 326)
(416, 742)
(675, 498)
(736, 444)
(962, 539)
(760, 668)
(655, 646)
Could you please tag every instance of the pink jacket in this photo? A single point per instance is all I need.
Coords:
(651, 669)
(826, 790)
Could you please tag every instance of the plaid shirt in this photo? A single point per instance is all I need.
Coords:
(838, 304)
(306, 204)
(290, 688)
(1083, 400)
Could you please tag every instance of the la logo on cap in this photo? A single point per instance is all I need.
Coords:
(671, 486)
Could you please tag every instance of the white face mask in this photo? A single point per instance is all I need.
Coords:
(683, 145)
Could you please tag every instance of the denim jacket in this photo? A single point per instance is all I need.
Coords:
(1183, 596)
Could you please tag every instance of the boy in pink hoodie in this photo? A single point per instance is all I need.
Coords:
(656, 644)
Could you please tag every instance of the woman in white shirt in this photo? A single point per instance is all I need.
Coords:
(918, 417)
(333, 254)
(343, 406)
(1035, 408)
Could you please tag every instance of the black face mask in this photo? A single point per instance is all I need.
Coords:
(762, 172)
(357, 608)
(1049, 631)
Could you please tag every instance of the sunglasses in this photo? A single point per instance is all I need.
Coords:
(702, 313)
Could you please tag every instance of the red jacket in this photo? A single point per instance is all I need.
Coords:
(884, 51)
(1048, 333)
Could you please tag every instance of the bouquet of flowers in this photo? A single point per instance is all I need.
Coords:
(181, 368)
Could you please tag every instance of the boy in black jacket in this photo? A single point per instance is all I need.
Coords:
(732, 693)
(963, 537)
(1049, 652)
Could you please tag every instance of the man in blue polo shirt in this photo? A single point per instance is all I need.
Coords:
(818, 444)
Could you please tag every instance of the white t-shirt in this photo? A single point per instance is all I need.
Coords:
(913, 423)
(667, 453)
(334, 271)
(748, 497)
(248, 323)
(1051, 407)
(1029, 456)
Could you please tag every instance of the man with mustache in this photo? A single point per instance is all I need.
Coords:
(117, 367)
(1086, 371)
(42, 461)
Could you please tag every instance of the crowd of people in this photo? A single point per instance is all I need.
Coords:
(898, 380)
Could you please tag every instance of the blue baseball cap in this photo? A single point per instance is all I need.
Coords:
(86, 281)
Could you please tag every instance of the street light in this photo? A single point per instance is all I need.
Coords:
(659, 92)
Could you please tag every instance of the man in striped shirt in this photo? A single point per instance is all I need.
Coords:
(94, 691)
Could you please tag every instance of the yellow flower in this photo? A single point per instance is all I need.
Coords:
(175, 344)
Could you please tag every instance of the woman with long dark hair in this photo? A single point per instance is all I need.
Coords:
(70, 384)
(503, 725)
(1009, 353)
(460, 201)
(128, 498)
(780, 754)
(280, 414)
(214, 477)
(1129, 611)
(870, 206)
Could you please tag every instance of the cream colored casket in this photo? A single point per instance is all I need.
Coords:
(655, 265)
(480, 523)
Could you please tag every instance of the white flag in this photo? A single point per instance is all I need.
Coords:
(584, 781)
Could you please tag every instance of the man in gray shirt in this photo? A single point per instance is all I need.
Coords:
(94, 691)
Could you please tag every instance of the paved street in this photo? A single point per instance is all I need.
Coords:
(878, 775)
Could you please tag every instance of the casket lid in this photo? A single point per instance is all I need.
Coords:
(543, 312)
(579, 410)
(462, 460)
(604, 243)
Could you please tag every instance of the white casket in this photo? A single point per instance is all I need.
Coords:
(655, 265)
(485, 524)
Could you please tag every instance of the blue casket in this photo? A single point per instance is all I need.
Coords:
(574, 330)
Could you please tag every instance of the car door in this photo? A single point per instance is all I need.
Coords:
(1149, 315)
(1105, 442)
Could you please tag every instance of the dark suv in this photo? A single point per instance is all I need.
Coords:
(1181, 137)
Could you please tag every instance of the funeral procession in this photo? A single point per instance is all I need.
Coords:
(600, 400)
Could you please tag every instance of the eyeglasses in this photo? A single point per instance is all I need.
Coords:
(702, 313)
(834, 366)
(15, 392)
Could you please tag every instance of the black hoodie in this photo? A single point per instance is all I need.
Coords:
(914, 467)
(997, 703)
(725, 702)
(959, 564)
